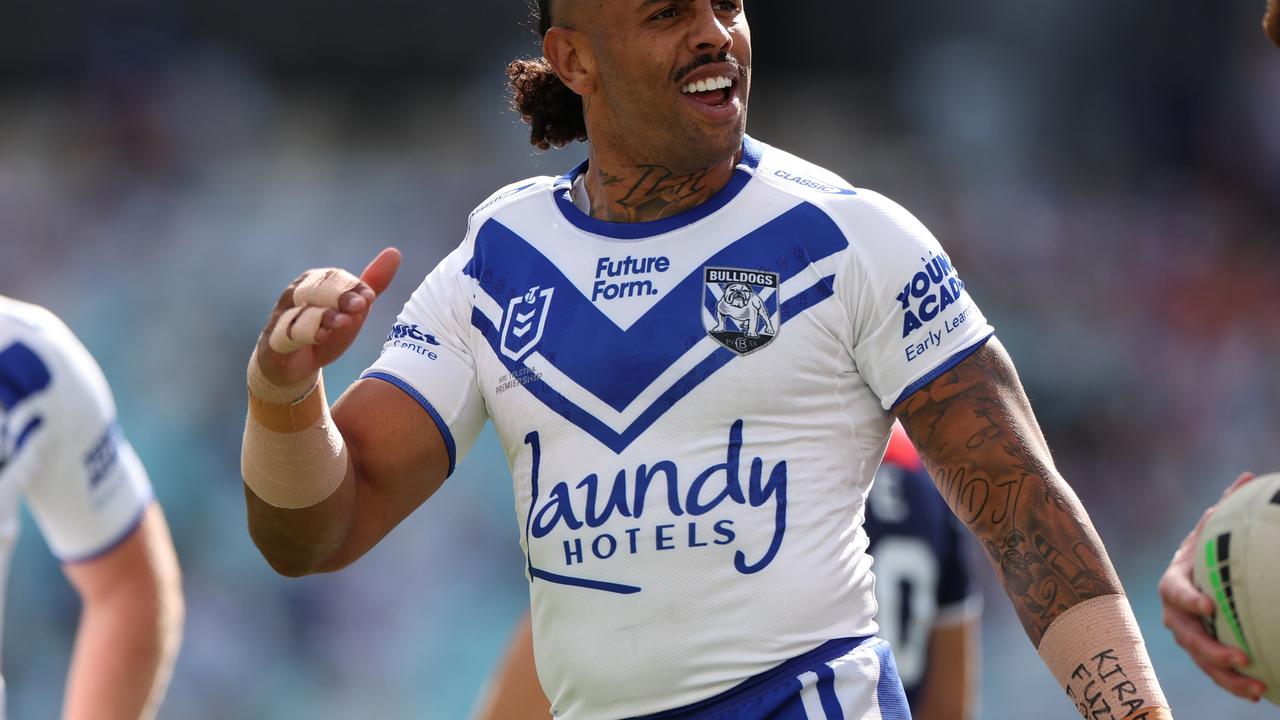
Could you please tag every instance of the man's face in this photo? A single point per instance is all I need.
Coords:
(673, 79)
(1273, 20)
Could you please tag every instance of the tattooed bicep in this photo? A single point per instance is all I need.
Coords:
(961, 410)
(974, 428)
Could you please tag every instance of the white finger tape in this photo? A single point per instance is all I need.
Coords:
(280, 339)
(324, 287)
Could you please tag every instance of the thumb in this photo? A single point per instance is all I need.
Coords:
(379, 274)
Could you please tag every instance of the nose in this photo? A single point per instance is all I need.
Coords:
(710, 34)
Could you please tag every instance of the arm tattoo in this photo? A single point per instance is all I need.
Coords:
(979, 440)
(652, 194)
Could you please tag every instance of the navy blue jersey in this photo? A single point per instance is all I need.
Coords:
(922, 575)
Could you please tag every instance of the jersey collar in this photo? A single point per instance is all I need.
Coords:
(742, 174)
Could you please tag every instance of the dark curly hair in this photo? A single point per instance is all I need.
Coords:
(1272, 20)
(552, 110)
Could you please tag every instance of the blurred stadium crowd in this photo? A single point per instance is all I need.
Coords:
(1105, 176)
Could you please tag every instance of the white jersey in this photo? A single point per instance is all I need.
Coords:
(60, 446)
(693, 410)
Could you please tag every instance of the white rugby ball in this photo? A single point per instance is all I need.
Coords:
(1238, 565)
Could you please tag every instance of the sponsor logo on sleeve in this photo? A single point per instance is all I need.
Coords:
(409, 337)
(104, 455)
(926, 297)
(740, 307)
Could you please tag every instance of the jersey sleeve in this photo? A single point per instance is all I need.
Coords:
(913, 319)
(89, 491)
(428, 353)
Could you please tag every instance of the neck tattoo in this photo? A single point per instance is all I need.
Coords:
(650, 192)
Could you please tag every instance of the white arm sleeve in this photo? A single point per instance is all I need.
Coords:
(428, 353)
(913, 318)
(89, 490)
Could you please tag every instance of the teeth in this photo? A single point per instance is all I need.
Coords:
(715, 83)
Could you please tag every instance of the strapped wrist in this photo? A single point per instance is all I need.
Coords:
(1096, 652)
(268, 392)
(293, 456)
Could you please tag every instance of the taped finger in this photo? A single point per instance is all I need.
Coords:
(280, 340)
(306, 325)
(324, 287)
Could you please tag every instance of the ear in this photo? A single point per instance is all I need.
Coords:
(569, 54)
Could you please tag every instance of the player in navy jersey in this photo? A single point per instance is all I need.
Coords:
(692, 347)
(62, 453)
(928, 610)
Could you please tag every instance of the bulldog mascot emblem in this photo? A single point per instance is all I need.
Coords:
(740, 308)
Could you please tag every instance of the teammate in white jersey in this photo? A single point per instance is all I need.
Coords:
(692, 347)
(63, 453)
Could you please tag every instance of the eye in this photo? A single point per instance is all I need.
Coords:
(727, 6)
(665, 14)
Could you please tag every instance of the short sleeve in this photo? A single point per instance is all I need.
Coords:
(913, 318)
(89, 489)
(428, 353)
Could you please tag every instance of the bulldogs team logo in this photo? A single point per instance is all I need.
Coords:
(524, 321)
(740, 307)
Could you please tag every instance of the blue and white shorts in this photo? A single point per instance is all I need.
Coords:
(846, 679)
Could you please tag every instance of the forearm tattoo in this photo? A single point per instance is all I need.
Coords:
(974, 428)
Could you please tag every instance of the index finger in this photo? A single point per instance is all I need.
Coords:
(379, 274)
(1179, 591)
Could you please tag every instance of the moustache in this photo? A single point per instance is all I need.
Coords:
(699, 61)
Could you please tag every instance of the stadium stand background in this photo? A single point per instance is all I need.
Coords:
(1105, 176)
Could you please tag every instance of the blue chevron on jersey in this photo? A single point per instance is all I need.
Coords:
(507, 266)
(692, 410)
(22, 374)
(619, 440)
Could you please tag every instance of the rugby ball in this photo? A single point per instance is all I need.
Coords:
(1238, 565)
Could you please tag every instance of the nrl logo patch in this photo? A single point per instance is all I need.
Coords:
(740, 307)
(524, 321)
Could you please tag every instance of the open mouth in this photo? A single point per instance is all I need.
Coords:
(713, 91)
